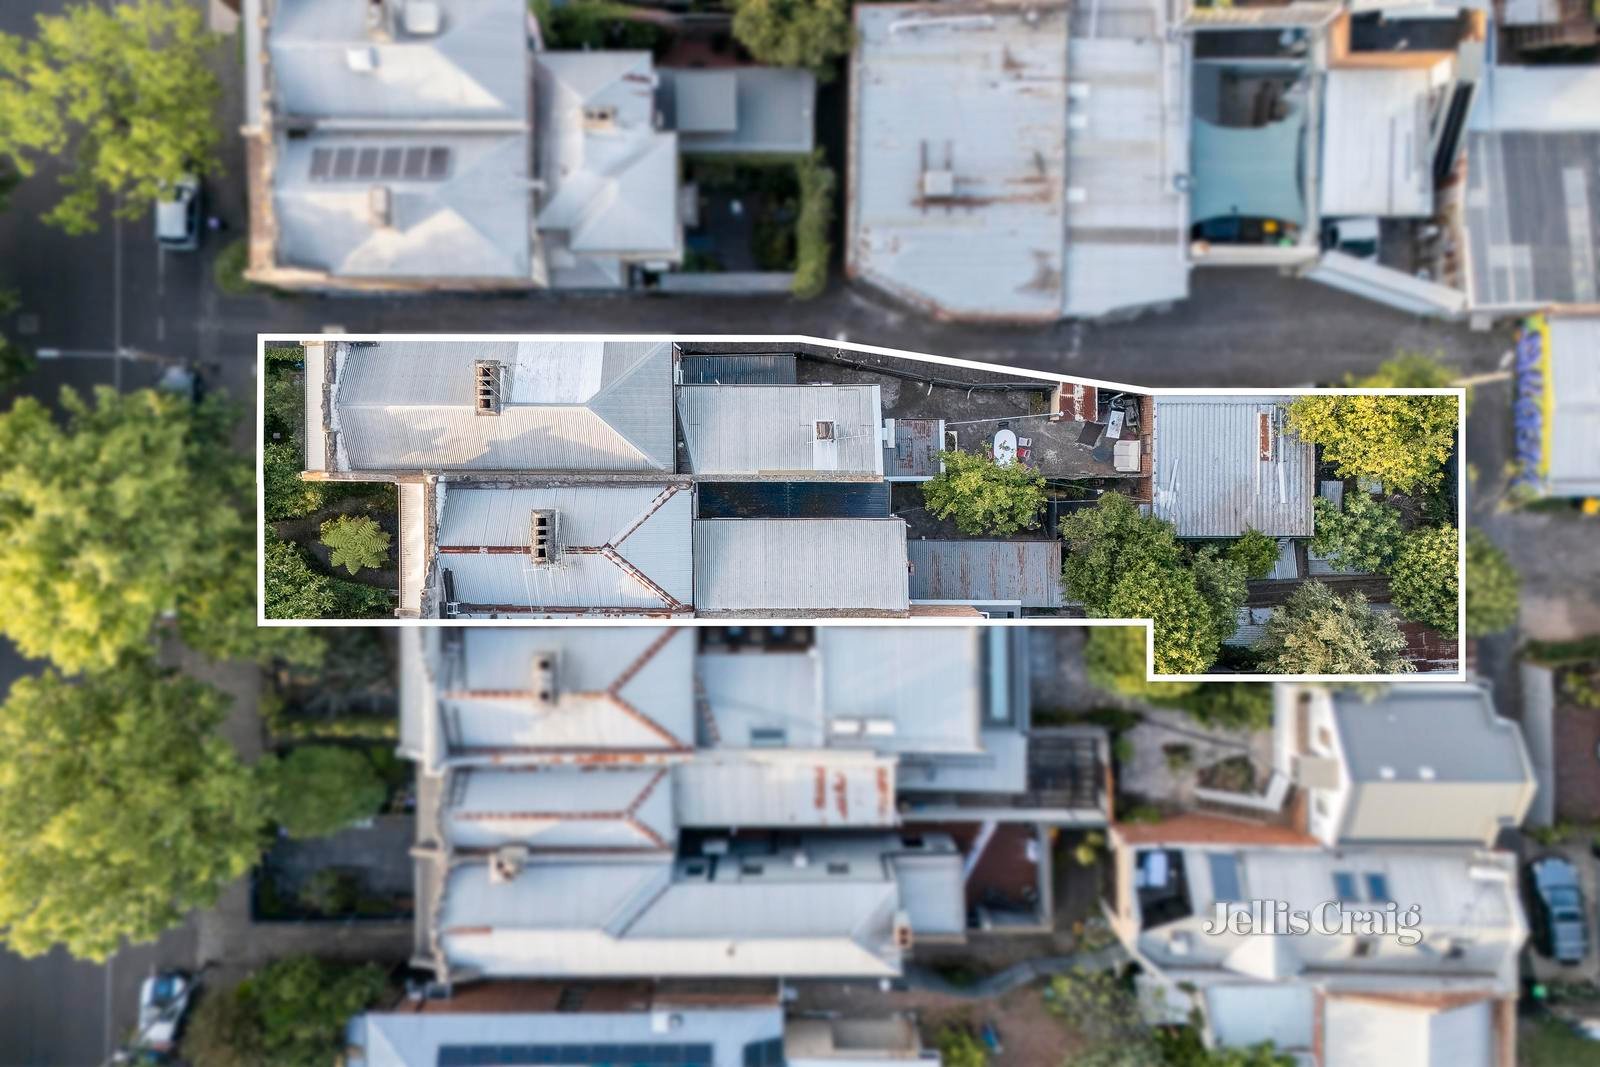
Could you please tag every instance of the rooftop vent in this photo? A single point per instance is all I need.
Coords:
(421, 18)
(486, 374)
(544, 678)
(380, 206)
(937, 183)
(543, 527)
(600, 118)
(506, 863)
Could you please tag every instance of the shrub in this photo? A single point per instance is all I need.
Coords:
(227, 270)
(319, 790)
(284, 495)
(357, 542)
(984, 497)
(960, 1047)
(1364, 536)
(291, 1013)
(813, 250)
(1425, 579)
(1255, 552)
(795, 33)
(1318, 632)
(1492, 586)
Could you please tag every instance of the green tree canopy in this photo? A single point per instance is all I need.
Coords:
(984, 497)
(122, 91)
(1104, 541)
(120, 808)
(357, 541)
(1221, 581)
(1185, 623)
(132, 509)
(291, 1013)
(1425, 580)
(795, 33)
(1319, 632)
(1362, 536)
(1114, 660)
(1492, 586)
(1256, 552)
(318, 790)
(1402, 440)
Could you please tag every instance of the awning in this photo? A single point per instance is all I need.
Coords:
(1251, 172)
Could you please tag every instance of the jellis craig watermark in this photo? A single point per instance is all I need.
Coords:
(1331, 917)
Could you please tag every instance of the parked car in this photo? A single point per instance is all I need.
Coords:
(1561, 928)
(178, 216)
(163, 1003)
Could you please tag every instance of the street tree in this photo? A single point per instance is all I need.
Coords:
(317, 790)
(1403, 441)
(984, 497)
(357, 541)
(291, 1013)
(1319, 632)
(1426, 577)
(1492, 586)
(1363, 536)
(121, 809)
(795, 33)
(129, 509)
(121, 92)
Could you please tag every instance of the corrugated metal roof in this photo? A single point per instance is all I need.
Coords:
(1538, 98)
(415, 1039)
(792, 500)
(738, 369)
(472, 223)
(1362, 1030)
(475, 68)
(1028, 571)
(562, 807)
(1574, 459)
(930, 683)
(1533, 217)
(933, 892)
(804, 565)
(645, 527)
(1375, 130)
(1210, 480)
(747, 109)
(568, 405)
(610, 184)
(742, 431)
(784, 788)
(590, 660)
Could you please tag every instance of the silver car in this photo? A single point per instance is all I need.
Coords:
(178, 216)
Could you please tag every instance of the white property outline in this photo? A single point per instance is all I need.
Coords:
(781, 340)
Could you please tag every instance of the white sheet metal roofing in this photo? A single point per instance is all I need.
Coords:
(747, 109)
(1358, 1031)
(756, 431)
(647, 528)
(807, 565)
(568, 406)
(1375, 128)
(1574, 459)
(621, 918)
(414, 1039)
(562, 808)
(472, 223)
(745, 694)
(786, 789)
(611, 184)
(928, 681)
(486, 700)
(1209, 478)
(475, 68)
(965, 207)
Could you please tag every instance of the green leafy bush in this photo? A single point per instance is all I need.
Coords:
(813, 250)
(1403, 441)
(960, 1047)
(1255, 552)
(1493, 588)
(1425, 578)
(291, 1013)
(984, 497)
(1319, 632)
(1364, 536)
(795, 33)
(319, 790)
(295, 591)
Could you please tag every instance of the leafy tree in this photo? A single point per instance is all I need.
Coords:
(1492, 586)
(357, 542)
(120, 808)
(1221, 581)
(1425, 579)
(1230, 705)
(291, 1013)
(283, 494)
(16, 363)
(1256, 552)
(1408, 370)
(1402, 440)
(123, 92)
(1114, 660)
(1185, 623)
(983, 496)
(795, 33)
(960, 1047)
(1319, 632)
(1104, 542)
(317, 790)
(283, 401)
(1364, 536)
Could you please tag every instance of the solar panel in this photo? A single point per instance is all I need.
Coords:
(367, 163)
(321, 163)
(583, 1055)
(354, 163)
(438, 163)
(416, 160)
(390, 165)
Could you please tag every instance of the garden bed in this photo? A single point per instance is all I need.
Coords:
(359, 874)
(762, 215)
